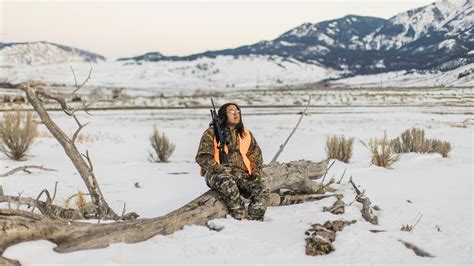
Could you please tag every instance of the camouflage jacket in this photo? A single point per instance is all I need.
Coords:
(205, 154)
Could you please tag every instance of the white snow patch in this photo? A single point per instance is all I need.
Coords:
(449, 44)
(328, 40)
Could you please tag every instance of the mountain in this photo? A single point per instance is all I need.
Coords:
(38, 53)
(438, 36)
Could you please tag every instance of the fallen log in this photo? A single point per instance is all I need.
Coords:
(18, 226)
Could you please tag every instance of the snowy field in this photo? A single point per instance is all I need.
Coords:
(223, 74)
(438, 188)
(175, 76)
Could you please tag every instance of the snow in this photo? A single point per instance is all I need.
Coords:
(38, 53)
(328, 40)
(285, 43)
(439, 188)
(304, 30)
(449, 16)
(380, 64)
(175, 76)
(405, 79)
(449, 44)
(330, 31)
(318, 49)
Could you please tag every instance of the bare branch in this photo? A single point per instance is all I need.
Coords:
(322, 181)
(339, 182)
(124, 208)
(88, 160)
(355, 187)
(83, 83)
(409, 227)
(25, 169)
(48, 198)
(55, 190)
(80, 126)
(366, 205)
(59, 98)
(74, 75)
(421, 215)
(292, 132)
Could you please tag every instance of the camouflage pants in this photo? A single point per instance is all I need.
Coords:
(232, 186)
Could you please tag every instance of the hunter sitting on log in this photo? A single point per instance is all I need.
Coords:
(233, 167)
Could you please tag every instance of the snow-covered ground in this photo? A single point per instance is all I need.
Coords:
(413, 79)
(175, 76)
(439, 188)
(224, 73)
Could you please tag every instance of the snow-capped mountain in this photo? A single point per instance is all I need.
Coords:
(37, 53)
(447, 17)
(438, 36)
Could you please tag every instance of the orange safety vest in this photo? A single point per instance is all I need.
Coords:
(244, 147)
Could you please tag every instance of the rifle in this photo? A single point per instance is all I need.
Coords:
(221, 136)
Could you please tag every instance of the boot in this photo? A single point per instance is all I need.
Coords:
(256, 212)
(238, 213)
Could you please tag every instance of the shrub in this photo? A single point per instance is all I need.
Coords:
(162, 146)
(339, 148)
(17, 132)
(413, 140)
(441, 147)
(382, 152)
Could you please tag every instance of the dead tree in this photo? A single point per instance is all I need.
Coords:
(34, 92)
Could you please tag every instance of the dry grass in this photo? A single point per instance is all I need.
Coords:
(83, 137)
(162, 146)
(441, 147)
(413, 140)
(382, 152)
(80, 197)
(339, 148)
(18, 129)
(80, 200)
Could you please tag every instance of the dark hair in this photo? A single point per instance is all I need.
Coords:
(223, 116)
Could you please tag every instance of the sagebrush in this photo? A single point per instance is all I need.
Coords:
(339, 148)
(18, 129)
(162, 146)
(382, 152)
(413, 140)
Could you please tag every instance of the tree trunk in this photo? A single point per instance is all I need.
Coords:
(82, 167)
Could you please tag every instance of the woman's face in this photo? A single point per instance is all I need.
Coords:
(233, 115)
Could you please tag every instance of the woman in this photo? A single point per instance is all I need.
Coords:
(243, 175)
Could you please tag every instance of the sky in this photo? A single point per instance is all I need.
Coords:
(129, 28)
